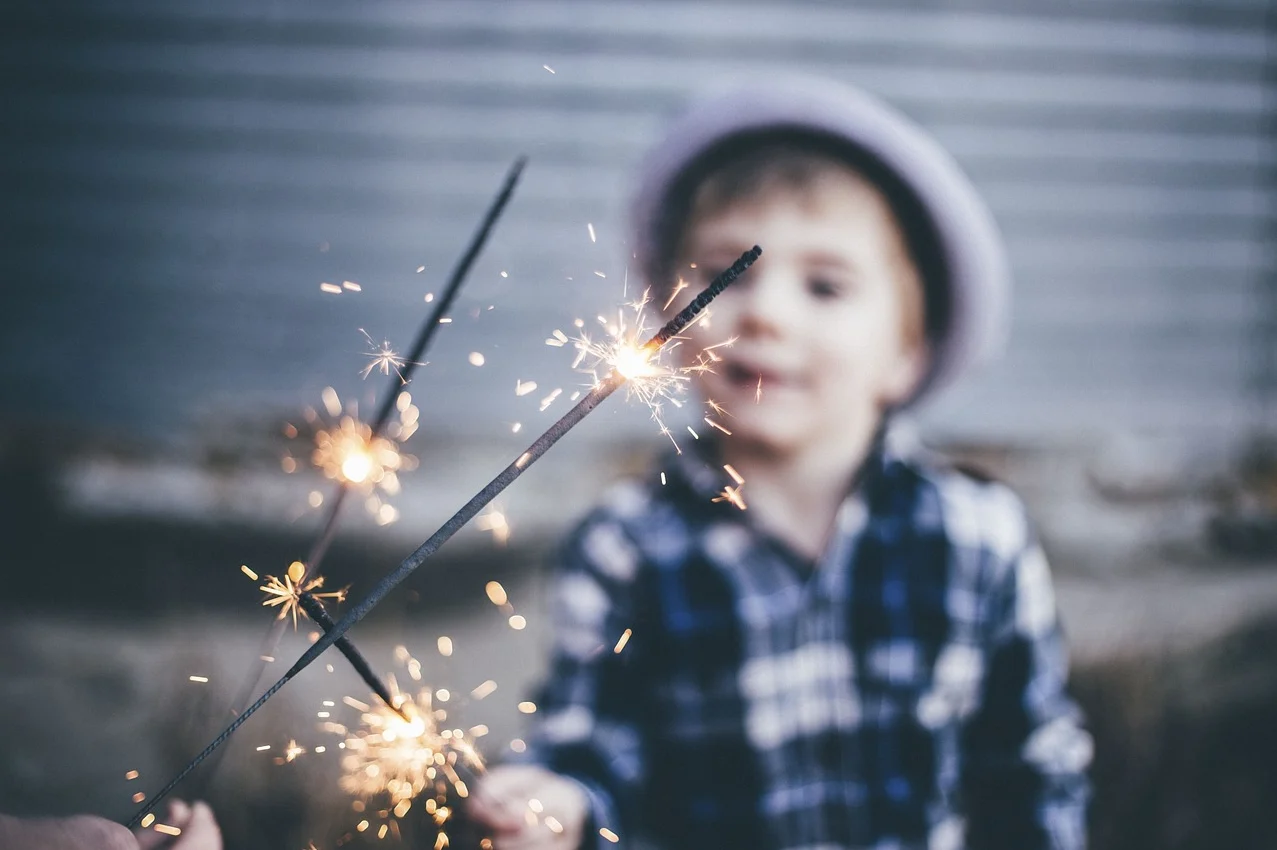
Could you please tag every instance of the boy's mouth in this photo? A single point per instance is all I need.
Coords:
(749, 376)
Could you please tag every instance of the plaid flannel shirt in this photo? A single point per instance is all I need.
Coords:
(906, 692)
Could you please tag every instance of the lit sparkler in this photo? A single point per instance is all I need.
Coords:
(352, 453)
(334, 633)
(403, 754)
(652, 376)
(395, 756)
(286, 593)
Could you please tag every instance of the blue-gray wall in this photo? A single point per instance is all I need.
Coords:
(180, 177)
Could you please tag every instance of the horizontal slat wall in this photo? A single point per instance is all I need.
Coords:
(180, 177)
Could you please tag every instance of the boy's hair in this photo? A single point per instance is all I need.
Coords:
(751, 165)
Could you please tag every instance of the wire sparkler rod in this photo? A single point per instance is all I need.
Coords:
(602, 389)
(328, 529)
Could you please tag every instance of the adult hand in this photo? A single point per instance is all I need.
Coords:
(199, 829)
(81, 832)
(501, 803)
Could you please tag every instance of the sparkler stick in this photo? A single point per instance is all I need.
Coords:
(315, 609)
(604, 388)
(329, 528)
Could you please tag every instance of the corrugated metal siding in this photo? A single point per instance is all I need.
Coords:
(180, 177)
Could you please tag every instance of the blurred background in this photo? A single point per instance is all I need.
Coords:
(205, 203)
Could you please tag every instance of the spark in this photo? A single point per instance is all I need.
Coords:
(518, 622)
(494, 520)
(549, 400)
(548, 68)
(167, 830)
(445, 645)
(383, 358)
(711, 423)
(522, 388)
(620, 644)
(609, 835)
(200, 679)
(476, 358)
(286, 593)
(330, 288)
(148, 820)
(132, 774)
(293, 750)
(351, 285)
(496, 593)
(731, 495)
(678, 287)
(590, 227)
(484, 690)
(758, 391)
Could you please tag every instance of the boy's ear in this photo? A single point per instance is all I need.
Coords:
(904, 374)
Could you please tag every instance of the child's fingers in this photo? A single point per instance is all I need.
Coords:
(201, 831)
(498, 813)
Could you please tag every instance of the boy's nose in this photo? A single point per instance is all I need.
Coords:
(767, 306)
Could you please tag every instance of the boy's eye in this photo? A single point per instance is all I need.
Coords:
(823, 288)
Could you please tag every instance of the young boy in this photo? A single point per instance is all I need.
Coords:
(868, 656)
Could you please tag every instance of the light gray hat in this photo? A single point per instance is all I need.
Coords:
(970, 281)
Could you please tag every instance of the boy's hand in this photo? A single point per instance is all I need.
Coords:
(199, 830)
(501, 803)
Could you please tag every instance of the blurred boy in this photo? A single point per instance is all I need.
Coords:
(869, 656)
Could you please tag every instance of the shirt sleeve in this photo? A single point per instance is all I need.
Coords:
(589, 713)
(1025, 779)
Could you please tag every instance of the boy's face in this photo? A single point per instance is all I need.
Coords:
(820, 320)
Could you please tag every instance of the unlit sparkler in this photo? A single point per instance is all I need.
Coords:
(604, 388)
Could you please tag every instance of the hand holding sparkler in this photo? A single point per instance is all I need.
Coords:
(531, 807)
(602, 389)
